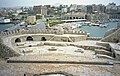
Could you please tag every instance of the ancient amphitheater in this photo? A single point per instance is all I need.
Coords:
(34, 52)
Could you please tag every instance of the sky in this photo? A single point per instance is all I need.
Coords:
(13, 3)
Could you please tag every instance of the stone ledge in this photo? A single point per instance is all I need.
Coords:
(60, 62)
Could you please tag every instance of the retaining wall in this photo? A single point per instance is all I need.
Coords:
(6, 52)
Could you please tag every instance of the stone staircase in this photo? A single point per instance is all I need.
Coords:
(104, 56)
(103, 52)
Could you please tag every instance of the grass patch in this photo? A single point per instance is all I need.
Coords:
(54, 22)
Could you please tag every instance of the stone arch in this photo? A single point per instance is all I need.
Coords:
(82, 17)
(29, 38)
(76, 17)
(17, 40)
(70, 17)
(73, 17)
(43, 39)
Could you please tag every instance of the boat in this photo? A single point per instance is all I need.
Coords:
(103, 25)
(4, 21)
(94, 24)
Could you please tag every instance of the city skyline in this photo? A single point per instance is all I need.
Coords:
(14, 3)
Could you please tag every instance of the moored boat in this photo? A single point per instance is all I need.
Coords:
(4, 21)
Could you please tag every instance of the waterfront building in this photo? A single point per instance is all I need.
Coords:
(80, 8)
(118, 8)
(73, 7)
(114, 16)
(31, 19)
(101, 8)
(40, 10)
(51, 11)
(37, 9)
(64, 10)
(48, 6)
(95, 7)
(44, 10)
(111, 8)
(97, 17)
(89, 9)
(74, 16)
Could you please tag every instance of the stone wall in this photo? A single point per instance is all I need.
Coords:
(104, 44)
(6, 52)
(113, 37)
(39, 31)
(37, 35)
(110, 32)
(48, 37)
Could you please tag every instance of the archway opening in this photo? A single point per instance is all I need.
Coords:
(43, 39)
(17, 40)
(114, 56)
(70, 17)
(29, 38)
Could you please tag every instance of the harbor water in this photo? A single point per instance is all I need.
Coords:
(5, 26)
(94, 31)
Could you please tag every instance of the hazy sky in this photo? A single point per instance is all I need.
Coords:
(12, 3)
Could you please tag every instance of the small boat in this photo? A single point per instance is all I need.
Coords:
(103, 25)
(4, 21)
(94, 24)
